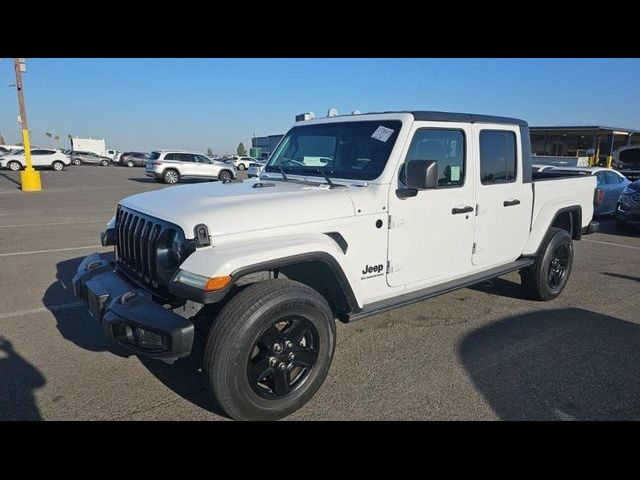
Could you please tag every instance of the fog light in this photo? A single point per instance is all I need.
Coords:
(147, 339)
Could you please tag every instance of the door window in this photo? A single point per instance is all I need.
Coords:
(447, 147)
(497, 156)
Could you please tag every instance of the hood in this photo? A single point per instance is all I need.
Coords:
(228, 208)
(635, 186)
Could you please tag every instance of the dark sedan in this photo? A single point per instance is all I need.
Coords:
(628, 210)
(134, 159)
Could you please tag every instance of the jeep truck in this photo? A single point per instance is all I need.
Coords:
(403, 206)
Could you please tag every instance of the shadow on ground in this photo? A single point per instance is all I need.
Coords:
(501, 287)
(563, 364)
(608, 226)
(18, 381)
(77, 326)
(12, 180)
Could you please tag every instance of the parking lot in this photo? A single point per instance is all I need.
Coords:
(476, 354)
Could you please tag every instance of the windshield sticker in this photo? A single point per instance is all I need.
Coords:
(455, 174)
(382, 133)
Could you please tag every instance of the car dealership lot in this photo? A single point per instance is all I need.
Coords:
(479, 353)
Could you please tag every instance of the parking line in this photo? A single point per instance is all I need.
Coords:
(50, 251)
(48, 224)
(611, 243)
(53, 308)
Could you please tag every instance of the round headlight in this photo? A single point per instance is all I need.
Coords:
(176, 247)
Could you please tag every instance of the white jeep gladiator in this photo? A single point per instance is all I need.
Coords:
(353, 215)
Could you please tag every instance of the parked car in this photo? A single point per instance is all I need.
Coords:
(610, 185)
(112, 154)
(241, 163)
(628, 208)
(40, 157)
(5, 149)
(411, 205)
(89, 158)
(171, 166)
(134, 159)
(627, 161)
(256, 168)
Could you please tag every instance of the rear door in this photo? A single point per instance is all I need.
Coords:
(503, 203)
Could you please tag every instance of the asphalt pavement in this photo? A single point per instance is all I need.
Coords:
(481, 353)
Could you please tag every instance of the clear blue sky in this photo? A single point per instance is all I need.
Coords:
(200, 103)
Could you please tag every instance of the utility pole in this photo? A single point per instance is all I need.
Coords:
(29, 177)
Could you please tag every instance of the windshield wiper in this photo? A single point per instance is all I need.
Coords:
(326, 177)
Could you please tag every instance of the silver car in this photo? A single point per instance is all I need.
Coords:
(89, 158)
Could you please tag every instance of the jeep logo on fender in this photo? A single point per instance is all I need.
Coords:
(371, 271)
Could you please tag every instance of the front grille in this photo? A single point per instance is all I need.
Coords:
(137, 237)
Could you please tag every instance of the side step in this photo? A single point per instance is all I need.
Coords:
(429, 292)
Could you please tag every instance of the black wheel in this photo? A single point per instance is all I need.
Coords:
(240, 166)
(171, 176)
(76, 161)
(548, 276)
(57, 166)
(224, 176)
(129, 164)
(14, 166)
(104, 163)
(269, 350)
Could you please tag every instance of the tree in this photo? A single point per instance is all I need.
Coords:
(209, 152)
(57, 139)
(1, 140)
(49, 137)
(241, 150)
(70, 140)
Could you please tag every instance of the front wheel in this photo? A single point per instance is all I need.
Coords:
(76, 161)
(129, 164)
(224, 176)
(57, 166)
(104, 163)
(241, 166)
(269, 350)
(548, 276)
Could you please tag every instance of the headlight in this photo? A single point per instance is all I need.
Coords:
(628, 191)
(208, 284)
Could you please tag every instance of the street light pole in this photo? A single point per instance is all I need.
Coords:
(29, 177)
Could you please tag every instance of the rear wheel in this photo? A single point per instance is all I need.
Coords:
(224, 176)
(129, 164)
(269, 350)
(548, 276)
(76, 161)
(171, 176)
(241, 166)
(104, 163)
(57, 166)
(14, 166)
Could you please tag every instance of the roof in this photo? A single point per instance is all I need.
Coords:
(585, 127)
(423, 115)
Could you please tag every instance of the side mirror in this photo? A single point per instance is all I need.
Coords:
(419, 175)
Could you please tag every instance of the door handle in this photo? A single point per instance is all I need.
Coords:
(511, 203)
(459, 210)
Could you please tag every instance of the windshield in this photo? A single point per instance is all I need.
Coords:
(354, 150)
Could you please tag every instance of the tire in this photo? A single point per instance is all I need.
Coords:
(14, 166)
(104, 163)
(57, 166)
(225, 176)
(171, 176)
(129, 164)
(76, 162)
(247, 325)
(548, 276)
(620, 225)
(241, 166)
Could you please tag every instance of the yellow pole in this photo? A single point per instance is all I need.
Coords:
(29, 177)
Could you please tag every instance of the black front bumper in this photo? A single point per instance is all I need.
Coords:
(128, 314)
(627, 213)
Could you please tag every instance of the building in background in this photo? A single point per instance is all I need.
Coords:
(579, 145)
(266, 144)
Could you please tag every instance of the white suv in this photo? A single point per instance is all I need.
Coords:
(170, 166)
(242, 163)
(40, 157)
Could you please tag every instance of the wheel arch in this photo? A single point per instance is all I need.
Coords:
(568, 217)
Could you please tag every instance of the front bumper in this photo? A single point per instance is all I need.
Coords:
(128, 314)
(627, 213)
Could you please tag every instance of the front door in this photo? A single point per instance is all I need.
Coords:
(188, 165)
(431, 234)
(503, 202)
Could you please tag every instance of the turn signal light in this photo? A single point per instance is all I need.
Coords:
(217, 283)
